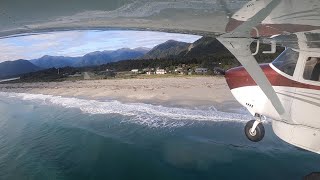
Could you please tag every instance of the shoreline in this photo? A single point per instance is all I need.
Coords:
(171, 91)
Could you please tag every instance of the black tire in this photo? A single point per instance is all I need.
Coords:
(259, 132)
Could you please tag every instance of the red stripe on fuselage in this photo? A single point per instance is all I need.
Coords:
(239, 77)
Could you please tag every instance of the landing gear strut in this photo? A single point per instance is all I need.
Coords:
(254, 129)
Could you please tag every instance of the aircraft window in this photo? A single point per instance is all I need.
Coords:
(287, 61)
(312, 69)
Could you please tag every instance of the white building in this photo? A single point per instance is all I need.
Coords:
(161, 71)
(135, 70)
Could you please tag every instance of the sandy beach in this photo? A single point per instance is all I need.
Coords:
(177, 91)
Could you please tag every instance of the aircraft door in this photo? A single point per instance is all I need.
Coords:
(306, 101)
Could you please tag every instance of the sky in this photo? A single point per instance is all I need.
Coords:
(79, 43)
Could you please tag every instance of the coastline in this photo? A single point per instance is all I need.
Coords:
(168, 91)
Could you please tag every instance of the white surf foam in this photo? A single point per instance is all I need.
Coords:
(151, 115)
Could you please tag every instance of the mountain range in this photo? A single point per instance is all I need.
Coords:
(91, 59)
(207, 48)
(47, 62)
(14, 68)
(203, 48)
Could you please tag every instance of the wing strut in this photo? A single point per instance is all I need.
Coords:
(240, 48)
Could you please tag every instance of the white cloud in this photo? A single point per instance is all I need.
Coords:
(78, 43)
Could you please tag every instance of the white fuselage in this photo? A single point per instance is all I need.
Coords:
(300, 124)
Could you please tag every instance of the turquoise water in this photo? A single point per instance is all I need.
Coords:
(48, 137)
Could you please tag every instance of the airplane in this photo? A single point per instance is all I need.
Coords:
(286, 90)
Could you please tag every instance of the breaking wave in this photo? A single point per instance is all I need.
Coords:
(148, 114)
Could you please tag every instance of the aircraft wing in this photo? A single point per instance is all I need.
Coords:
(203, 17)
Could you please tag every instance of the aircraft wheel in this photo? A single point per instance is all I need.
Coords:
(257, 135)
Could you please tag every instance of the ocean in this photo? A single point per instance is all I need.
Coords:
(51, 137)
